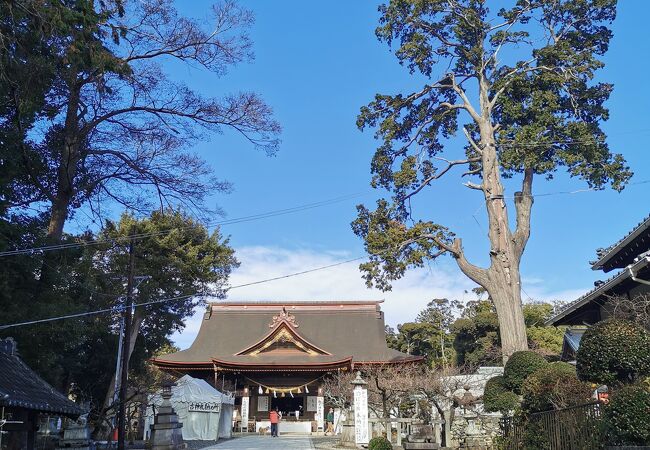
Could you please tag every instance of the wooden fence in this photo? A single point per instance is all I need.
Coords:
(574, 428)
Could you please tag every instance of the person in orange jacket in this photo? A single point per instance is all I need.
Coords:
(274, 416)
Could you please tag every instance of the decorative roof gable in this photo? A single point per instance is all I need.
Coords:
(282, 339)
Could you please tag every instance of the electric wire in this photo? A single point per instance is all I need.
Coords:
(119, 308)
(243, 219)
(249, 218)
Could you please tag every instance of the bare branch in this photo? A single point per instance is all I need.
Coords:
(437, 175)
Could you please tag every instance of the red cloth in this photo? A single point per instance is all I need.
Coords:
(275, 418)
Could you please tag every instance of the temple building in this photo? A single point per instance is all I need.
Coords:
(631, 257)
(276, 354)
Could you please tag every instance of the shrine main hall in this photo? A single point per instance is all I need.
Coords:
(276, 355)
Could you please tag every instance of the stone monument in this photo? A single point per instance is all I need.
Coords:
(360, 395)
(166, 430)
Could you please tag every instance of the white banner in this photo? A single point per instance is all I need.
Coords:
(312, 403)
(262, 404)
(360, 415)
(244, 413)
(320, 413)
(204, 407)
(338, 421)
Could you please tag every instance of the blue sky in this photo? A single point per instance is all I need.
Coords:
(316, 64)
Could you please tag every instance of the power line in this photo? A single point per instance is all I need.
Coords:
(237, 220)
(120, 308)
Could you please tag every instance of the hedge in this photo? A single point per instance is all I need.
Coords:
(553, 386)
(626, 418)
(519, 366)
(380, 443)
(614, 351)
(497, 397)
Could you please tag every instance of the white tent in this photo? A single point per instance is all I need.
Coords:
(206, 413)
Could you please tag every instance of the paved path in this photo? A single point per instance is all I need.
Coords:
(256, 442)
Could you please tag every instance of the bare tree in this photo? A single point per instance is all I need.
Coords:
(635, 309)
(121, 126)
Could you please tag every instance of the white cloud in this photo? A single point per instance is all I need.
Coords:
(402, 304)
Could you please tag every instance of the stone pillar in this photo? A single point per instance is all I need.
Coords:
(361, 435)
(320, 411)
(166, 430)
(245, 406)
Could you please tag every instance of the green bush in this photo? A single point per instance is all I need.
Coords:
(380, 443)
(626, 418)
(614, 351)
(553, 386)
(497, 397)
(519, 366)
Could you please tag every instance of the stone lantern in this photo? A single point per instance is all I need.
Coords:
(166, 430)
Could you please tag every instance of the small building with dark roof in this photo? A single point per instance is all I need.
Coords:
(277, 353)
(631, 257)
(23, 396)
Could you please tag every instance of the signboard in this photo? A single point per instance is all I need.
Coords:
(244, 413)
(320, 413)
(337, 421)
(360, 415)
(262, 404)
(312, 403)
(204, 407)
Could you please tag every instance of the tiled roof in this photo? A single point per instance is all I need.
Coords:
(21, 387)
(605, 255)
(602, 288)
(340, 329)
(573, 336)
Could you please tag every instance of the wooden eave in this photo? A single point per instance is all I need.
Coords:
(253, 366)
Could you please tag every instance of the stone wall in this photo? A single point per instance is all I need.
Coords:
(475, 431)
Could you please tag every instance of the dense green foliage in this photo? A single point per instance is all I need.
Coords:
(178, 255)
(91, 120)
(380, 443)
(519, 366)
(553, 386)
(447, 331)
(626, 418)
(497, 397)
(614, 351)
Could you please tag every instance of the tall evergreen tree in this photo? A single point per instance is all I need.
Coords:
(518, 83)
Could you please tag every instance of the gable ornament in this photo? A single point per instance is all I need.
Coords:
(285, 317)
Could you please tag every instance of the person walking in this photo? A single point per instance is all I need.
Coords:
(274, 417)
(330, 421)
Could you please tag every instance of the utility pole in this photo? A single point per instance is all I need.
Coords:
(121, 417)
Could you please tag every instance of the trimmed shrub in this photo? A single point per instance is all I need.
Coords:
(497, 397)
(380, 443)
(614, 351)
(553, 386)
(626, 418)
(519, 366)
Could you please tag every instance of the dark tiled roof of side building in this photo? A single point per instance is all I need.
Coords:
(602, 289)
(623, 252)
(21, 387)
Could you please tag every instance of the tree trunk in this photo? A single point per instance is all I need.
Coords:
(64, 192)
(503, 281)
(138, 318)
(512, 328)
